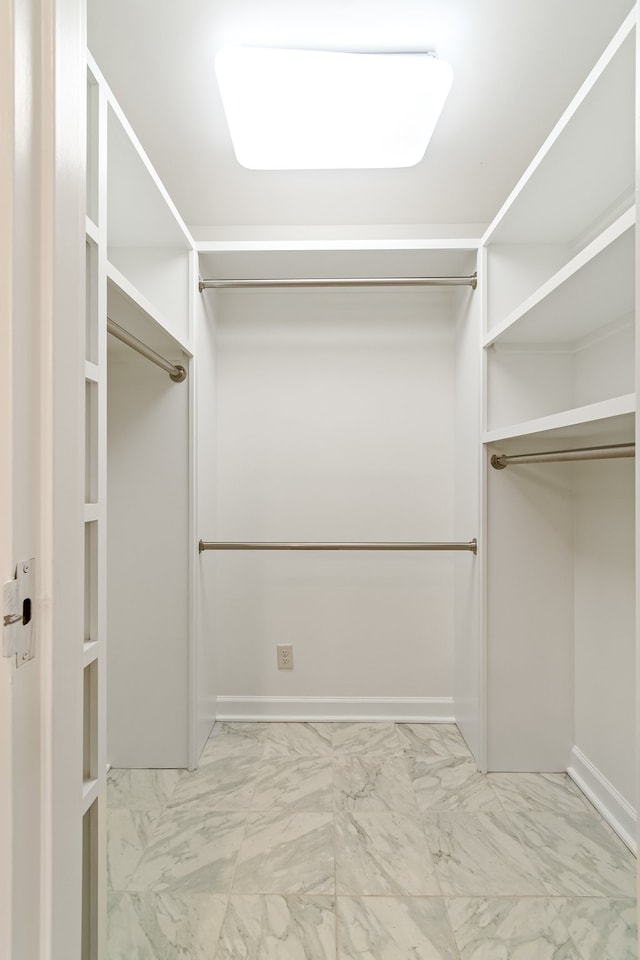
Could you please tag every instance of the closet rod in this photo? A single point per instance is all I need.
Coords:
(471, 545)
(176, 372)
(471, 281)
(614, 451)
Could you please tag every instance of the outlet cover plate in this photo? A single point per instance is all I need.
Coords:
(285, 656)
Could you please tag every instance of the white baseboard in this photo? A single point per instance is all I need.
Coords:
(617, 811)
(372, 709)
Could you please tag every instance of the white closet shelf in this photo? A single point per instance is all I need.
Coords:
(90, 652)
(91, 371)
(90, 791)
(91, 512)
(147, 322)
(293, 245)
(608, 420)
(92, 230)
(596, 287)
(558, 200)
(338, 258)
(140, 212)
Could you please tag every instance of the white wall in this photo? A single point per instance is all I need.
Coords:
(147, 547)
(530, 617)
(561, 626)
(334, 422)
(605, 621)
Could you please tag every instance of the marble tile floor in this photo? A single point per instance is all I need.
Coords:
(357, 841)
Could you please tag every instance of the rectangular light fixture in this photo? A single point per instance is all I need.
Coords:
(313, 110)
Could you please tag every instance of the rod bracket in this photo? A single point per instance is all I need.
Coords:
(179, 374)
(497, 461)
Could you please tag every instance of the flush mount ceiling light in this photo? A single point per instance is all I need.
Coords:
(313, 110)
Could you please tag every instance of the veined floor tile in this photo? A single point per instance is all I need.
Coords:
(577, 855)
(432, 741)
(301, 739)
(383, 853)
(162, 926)
(554, 792)
(374, 784)
(285, 852)
(231, 739)
(192, 849)
(452, 784)
(141, 789)
(225, 783)
(366, 739)
(394, 928)
(526, 929)
(295, 783)
(480, 855)
(128, 833)
(601, 929)
(278, 928)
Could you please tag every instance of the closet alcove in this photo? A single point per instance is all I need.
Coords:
(339, 415)
(559, 373)
(147, 554)
(370, 414)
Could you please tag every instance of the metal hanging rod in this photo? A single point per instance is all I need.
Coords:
(471, 281)
(614, 451)
(471, 546)
(175, 371)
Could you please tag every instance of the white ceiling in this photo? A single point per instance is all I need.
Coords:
(517, 64)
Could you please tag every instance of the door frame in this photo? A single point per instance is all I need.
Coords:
(62, 371)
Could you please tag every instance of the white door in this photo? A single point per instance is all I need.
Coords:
(41, 472)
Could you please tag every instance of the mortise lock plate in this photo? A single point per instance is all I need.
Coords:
(18, 635)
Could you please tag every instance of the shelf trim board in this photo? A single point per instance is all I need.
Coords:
(90, 793)
(91, 372)
(135, 297)
(589, 254)
(319, 246)
(90, 652)
(590, 413)
(601, 65)
(91, 512)
(92, 230)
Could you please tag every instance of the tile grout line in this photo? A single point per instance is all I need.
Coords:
(566, 927)
(235, 867)
(421, 818)
(335, 847)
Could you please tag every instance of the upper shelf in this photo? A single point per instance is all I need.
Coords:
(583, 175)
(140, 213)
(128, 307)
(594, 289)
(338, 259)
(609, 421)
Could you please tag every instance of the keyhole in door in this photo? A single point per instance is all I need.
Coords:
(26, 611)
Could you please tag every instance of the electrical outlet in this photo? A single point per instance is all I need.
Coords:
(285, 656)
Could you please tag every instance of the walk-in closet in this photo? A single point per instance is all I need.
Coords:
(360, 605)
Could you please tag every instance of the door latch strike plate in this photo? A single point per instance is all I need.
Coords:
(18, 636)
